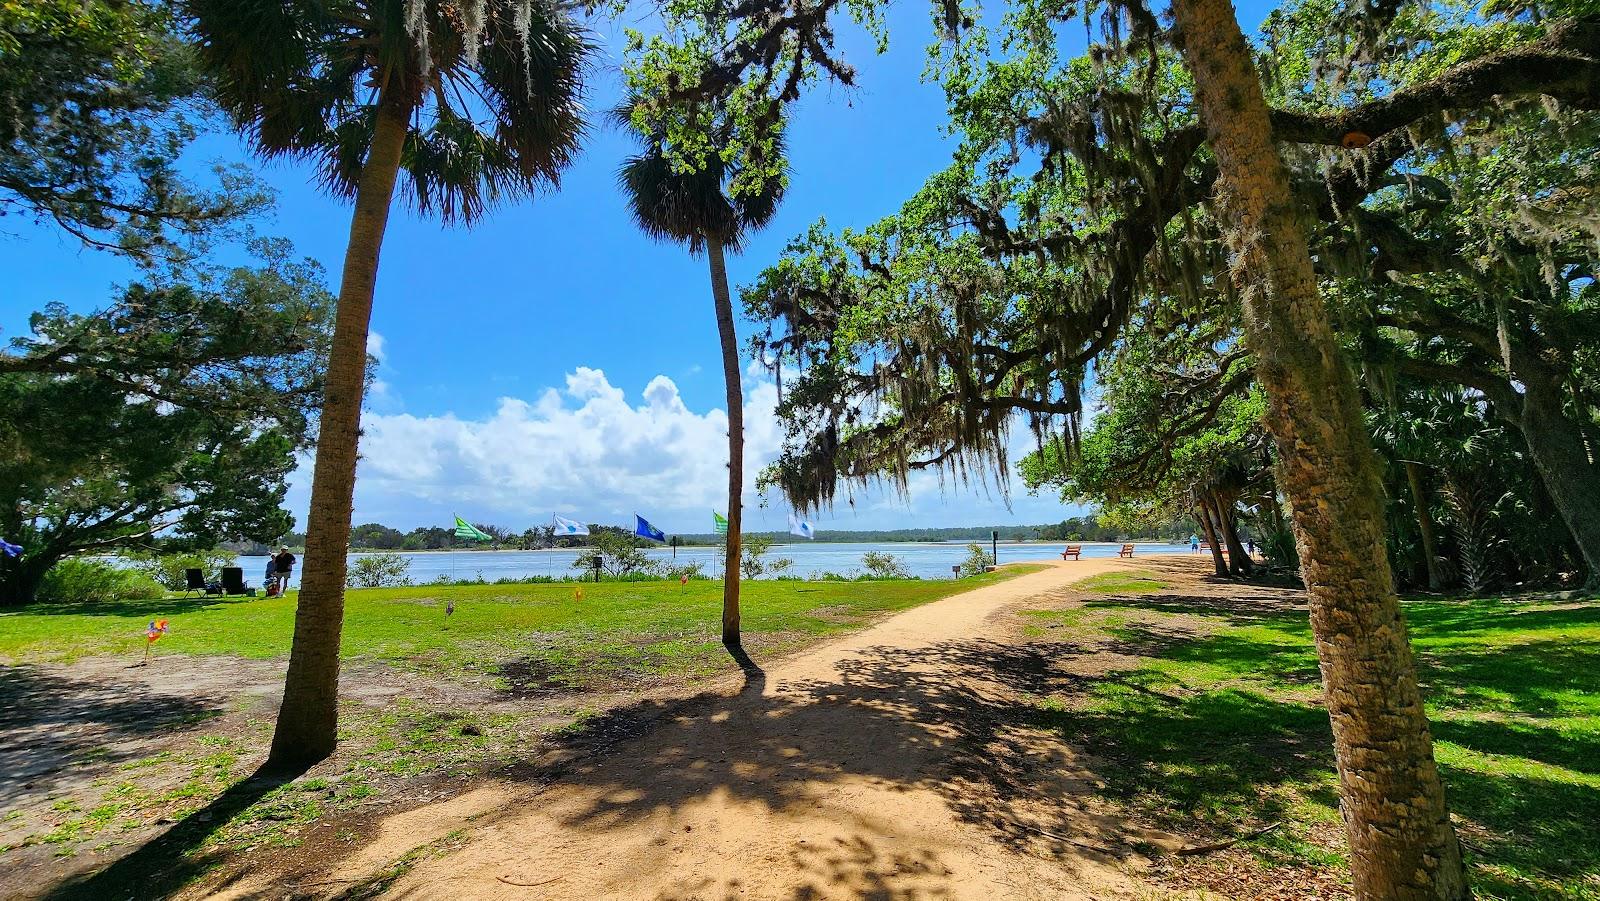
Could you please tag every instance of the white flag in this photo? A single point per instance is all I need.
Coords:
(801, 527)
(565, 526)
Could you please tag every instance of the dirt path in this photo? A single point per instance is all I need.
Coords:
(884, 765)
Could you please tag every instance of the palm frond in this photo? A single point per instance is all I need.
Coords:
(302, 78)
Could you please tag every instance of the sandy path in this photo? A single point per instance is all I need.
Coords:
(864, 768)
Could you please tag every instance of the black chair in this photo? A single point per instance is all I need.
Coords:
(195, 581)
(233, 580)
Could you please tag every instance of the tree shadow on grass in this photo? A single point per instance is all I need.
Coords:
(154, 607)
(1542, 830)
(50, 722)
(1539, 678)
(176, 857)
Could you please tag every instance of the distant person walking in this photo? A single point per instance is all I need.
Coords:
(1194, 543)
(284, 564)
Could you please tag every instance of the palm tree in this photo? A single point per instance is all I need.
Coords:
(468, 104)
(697, 209)
(1402, 845)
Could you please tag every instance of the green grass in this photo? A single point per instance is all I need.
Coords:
(530, 636)
(1223, 730)
(515, 638)
(1127, 581)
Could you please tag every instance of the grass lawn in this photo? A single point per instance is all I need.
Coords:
(535, 661)
(1220, 727)
(544, 632)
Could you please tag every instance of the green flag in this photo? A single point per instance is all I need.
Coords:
(466, 530)
(719, 523)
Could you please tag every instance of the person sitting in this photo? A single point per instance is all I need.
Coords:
(270, 581)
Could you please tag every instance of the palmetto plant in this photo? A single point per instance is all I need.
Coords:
(462, 104)
(697, 208)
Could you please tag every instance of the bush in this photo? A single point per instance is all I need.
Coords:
(619, 555)
(169, 569)
(692, 570)
(80, 581)
(385, 569)
(752, 558)
(884, 565)
(978, 560)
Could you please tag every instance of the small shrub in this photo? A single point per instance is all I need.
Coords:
(884, 565)
(79, 581)
(692, 570)
(977, 562)
(385, 569)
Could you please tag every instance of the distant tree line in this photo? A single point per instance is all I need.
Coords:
(378, 537)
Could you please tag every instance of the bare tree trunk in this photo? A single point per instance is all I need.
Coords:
(1209, 527)
(1402, 845)
(1430, 549)
(735, 389)
(309, 717)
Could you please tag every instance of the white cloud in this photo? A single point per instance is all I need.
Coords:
(592, 451)
(587, 449)
(376, 349)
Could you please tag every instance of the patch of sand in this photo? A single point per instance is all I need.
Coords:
(880, 765)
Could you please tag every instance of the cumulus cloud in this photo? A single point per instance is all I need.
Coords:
(587, 449)
(595, 451)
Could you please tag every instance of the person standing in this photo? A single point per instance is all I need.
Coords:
(1194, 543)
(284, 563)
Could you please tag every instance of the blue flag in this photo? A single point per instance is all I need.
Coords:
(644, 529)
(10, 550)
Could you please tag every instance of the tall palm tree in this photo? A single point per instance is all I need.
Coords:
(467, 104)
(697, 209)
(1402, 845)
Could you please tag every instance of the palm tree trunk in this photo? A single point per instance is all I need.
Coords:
(1430, 549)
(735, 389)
(1402, 845)
(308, 719)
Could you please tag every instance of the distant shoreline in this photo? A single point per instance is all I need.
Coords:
(955, 542)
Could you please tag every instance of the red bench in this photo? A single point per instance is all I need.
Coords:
(1127, 551)
(1075, 551)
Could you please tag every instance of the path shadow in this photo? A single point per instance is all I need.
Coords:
(50, 722)
(943, 718)
(173, 859)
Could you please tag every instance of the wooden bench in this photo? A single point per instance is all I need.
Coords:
(1127, 551)
(1075, 551)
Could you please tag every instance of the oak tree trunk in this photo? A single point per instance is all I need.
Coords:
(1430, 549)
(21, 577)
(735, 389)
(1208, 526)
(1238, 558)
(1402, 845)
(308, 719)
(1558, 450)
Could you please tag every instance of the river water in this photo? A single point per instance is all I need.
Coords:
(924, 560)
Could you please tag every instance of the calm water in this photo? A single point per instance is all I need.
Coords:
(928, 561)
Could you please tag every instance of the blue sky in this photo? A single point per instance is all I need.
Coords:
(552, 359)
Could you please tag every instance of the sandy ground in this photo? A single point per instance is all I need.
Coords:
(879, 766)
